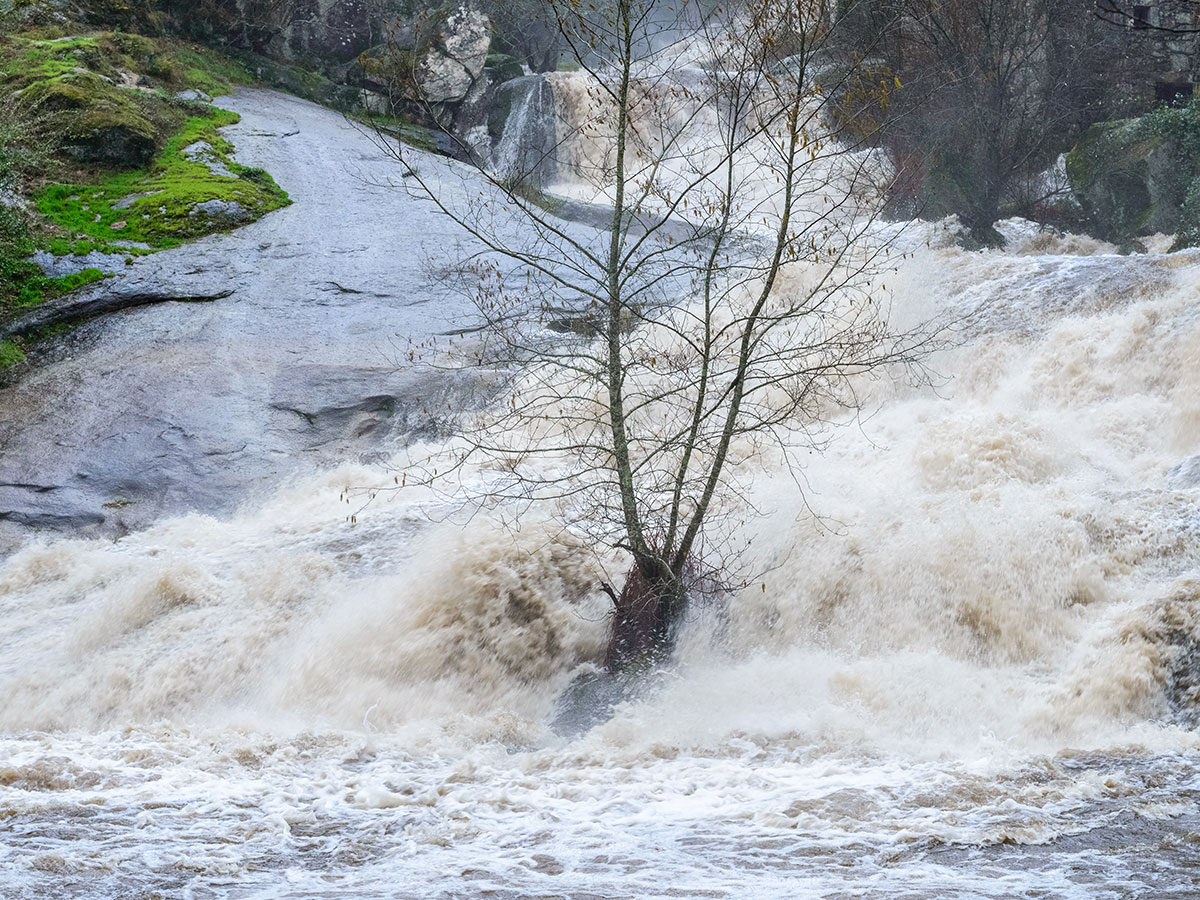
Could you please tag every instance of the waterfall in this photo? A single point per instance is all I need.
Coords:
(526, 150)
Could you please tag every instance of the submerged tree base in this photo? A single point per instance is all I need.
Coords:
(593, 696)
(644, 621)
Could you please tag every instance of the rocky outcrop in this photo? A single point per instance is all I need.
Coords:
(1140, 176)
(424, 59)
(102, 123)
(434, 68)
(449, 66)
(446, 44)
(429, 61)
(90, 304)
(434, 57)
(326, 31)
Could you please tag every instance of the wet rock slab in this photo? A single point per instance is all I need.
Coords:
(184, 406)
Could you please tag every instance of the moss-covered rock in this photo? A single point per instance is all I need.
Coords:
(152, 63)
(299, 81)
(103, 150)
(108, 97)
(193, 188)
(142, 15)
(502, 67)
(98, 121)
(1140, 176)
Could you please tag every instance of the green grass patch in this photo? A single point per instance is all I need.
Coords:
(159, 205)
(38, 288)
(109, 98)
(10, 354)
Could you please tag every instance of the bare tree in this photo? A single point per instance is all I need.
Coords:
(990, 99)
(728, 305)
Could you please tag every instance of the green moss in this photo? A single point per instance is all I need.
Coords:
(213, 73)
(60, 246)
(96, 121)
(535, 196)
(101, 107)
(26, 61)
(160, 202)
(395, 126)
(503, 67)
(10, 354)
(168, 64)
(1136, 176)
(38, 288)
(73, 282)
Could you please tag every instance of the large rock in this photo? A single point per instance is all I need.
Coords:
(334, 31)
(102, 122)
(449, 66)
(1140, 176)
(432, 56)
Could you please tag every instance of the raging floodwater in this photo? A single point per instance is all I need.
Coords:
(977, 679)
(975, 675)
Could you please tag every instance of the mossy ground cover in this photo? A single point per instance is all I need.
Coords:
(402, 129)
(94, 134)
(10, 354)
(32, 288)
(159, 63)
(158, 205)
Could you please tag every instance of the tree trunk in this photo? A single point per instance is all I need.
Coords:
(644, 620)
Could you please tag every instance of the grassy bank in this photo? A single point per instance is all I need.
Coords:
(192, 188)
(108, 142)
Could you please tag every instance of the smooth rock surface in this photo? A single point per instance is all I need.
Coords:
(221, 210)
(198, 406)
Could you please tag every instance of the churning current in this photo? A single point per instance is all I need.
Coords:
(969, 672)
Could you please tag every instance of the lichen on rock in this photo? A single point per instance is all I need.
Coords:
(455, 57)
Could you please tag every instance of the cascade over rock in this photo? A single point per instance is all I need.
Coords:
(528, 130)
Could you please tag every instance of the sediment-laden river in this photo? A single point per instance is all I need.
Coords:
(971, 671)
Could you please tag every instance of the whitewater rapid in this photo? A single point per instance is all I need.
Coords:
(967, 665)
(969, 669)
